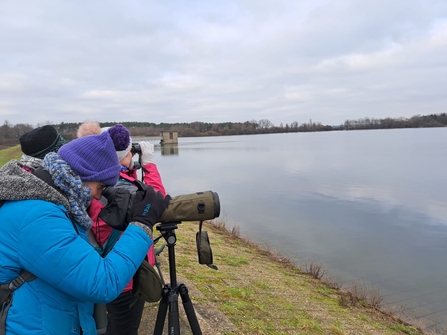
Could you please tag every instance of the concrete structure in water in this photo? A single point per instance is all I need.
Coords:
(169, 137)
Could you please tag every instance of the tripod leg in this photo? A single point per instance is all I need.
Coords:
(161, 314)
(173, 315)
(189, 309)
(168, 299)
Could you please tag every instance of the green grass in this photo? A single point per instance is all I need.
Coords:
(261, 295)
(406, 329)
(10, 153)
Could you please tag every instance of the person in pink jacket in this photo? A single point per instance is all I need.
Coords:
(124, 313)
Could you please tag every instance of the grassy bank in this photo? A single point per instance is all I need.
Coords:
(263, 294)
(10, 153)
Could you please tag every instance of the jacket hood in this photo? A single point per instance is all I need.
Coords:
(18, 184)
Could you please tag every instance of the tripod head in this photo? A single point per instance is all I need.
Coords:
(167, 226)
(167, 230)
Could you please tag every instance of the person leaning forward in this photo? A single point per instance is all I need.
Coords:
(125, 312)
(43, 230)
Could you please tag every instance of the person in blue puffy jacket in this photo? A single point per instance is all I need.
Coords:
(44, 227)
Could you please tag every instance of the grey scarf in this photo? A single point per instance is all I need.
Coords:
(18, 184)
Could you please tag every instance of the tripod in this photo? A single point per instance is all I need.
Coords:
(172, 290)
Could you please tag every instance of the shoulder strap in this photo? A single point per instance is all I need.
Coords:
(46, 177)
(23, 277)
(6, 291)
(113, 237)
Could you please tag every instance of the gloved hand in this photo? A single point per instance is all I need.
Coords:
(148, 206)
(147, 153)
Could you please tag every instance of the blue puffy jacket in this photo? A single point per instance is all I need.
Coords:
(37, 236)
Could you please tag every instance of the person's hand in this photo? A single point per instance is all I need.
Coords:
(147, 153)
(148, 206)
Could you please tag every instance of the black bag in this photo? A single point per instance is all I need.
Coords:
(147, 284)
(204, 251)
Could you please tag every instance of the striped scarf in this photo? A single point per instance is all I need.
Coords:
(77, 193)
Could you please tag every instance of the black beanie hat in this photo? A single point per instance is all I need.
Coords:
(40, 141)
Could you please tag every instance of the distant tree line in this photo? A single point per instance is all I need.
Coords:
(193, 129)
(417, 121)
(10, 133)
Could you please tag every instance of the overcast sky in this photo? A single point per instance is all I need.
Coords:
(221, 61)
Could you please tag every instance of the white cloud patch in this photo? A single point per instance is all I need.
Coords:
(298, 94)
(101, 94)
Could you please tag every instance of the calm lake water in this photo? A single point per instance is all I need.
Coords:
(371, 206)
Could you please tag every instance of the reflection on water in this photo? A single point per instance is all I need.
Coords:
(370, 205)
(169, 149)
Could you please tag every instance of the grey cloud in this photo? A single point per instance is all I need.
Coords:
(215, 62)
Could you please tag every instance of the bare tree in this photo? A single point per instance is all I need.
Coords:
(294, 126)
(265, 124)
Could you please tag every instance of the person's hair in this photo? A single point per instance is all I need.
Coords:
(88, 128)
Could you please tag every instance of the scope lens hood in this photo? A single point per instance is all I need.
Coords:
(216, 204)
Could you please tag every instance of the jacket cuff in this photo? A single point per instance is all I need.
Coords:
(145, 228)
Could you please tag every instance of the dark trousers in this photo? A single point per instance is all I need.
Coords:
(123, 319)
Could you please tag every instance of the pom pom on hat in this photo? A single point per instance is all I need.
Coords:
(121, 139)
(92, 158)
(40, 141)
(120, 136)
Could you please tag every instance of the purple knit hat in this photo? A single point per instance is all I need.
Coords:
(92, 158)
(121, 139)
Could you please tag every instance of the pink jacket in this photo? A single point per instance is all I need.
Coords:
(102, 231)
